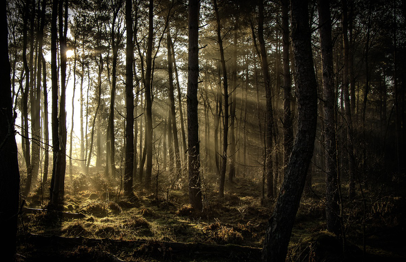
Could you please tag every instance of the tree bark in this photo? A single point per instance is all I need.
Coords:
(9, 172)
(129, 97)
(332, 197)
(269, 110)
(172, 108)
(195, 194)
(287, 96)
(226, 103)
(280, 224)
(54, 76)
(148, 96)
(347, 106)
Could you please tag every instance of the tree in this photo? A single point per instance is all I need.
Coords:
(129, 97)
(281, 222)
(110, 163)
(226, 102)
(287, 96)
(347, 106)
(9, 172)
(148, 95)
(172, 126)
(195, 194)
(332, 198)
(269, 112)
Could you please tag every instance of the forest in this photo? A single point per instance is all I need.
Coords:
(203, 130)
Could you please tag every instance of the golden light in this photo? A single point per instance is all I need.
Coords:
(70, 53)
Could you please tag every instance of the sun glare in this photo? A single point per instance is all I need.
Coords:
(70, 53)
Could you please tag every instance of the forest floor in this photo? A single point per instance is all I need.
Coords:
(98, 224)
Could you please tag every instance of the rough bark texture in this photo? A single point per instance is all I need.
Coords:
(287, 96)
(281, 223)
(129, 97)
(332, 208)
(148, 96)
(9, 172)
(195, 194)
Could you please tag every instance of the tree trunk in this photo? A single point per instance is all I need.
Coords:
(110, 161)
(58, 176)
(226, 103)
(172, 108)
(287, 96)
(9, 172)
(332, 197)
(233, 152)
(195, 194)
(281, 223)
(269, 112)
(129, 97)
(148, 96)
(54, 75)
(24, 101)
(182, 122)
(350, 149)
(73, 114)
(45, 124)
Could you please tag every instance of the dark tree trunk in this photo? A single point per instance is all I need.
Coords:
(182, 123)
(24, 100)
(226, 103)
(269, 112)
(287, 96)
(332, 197)
(172, 108)
(195, 194)
(9, 172)
(111, 151)
(129, 97)
(58, 175)
(350, 149)
(54, 76)
(280, 224)
(46, 130)
(148, 96)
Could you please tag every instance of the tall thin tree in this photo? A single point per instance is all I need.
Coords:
(195, 193)
(281, 222)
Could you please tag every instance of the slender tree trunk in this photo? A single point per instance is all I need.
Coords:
(269, 112)
(54, 75)
(59, 174)
(226, 103)
(24, 100)
(73, 114)
(182, 122)
(232, 110)
(45, 124)
(281, 223)
(195, 194)
(172, 108)
(110, 157)
(287, 96)
(129, 97)
(350, 149)
(148, 96)
(9, 172)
